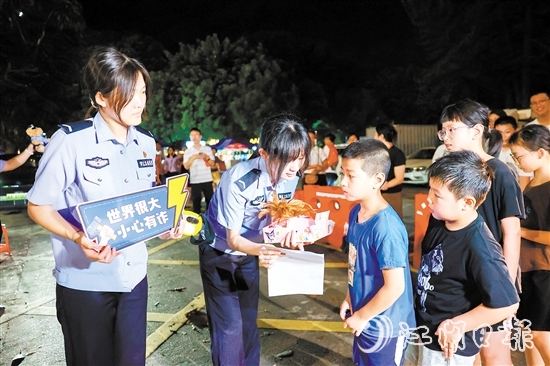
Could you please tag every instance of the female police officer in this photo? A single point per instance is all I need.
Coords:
(101, 293)
(229, 266)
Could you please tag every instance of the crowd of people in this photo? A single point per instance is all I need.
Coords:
(200, 161)
(325, 164)
(485, 254)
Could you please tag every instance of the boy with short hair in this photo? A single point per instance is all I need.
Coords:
(379, 300)
(463, 282)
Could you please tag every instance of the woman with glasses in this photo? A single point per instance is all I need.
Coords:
(531, 152)
(465, 126)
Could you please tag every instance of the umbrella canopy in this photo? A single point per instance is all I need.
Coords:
(236, 146)
(231, 144)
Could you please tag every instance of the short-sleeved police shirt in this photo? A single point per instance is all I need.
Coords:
(84, 162)
(239, 198)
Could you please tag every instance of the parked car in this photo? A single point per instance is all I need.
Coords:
(417, 165)
(15, 184)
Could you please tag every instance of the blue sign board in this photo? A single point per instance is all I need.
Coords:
(131, 218)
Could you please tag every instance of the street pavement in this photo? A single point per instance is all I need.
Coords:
(295, 330)
(309, 326)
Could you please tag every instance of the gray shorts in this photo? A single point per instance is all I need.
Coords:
(423, 356)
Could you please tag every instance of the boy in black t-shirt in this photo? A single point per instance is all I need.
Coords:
(463, 282)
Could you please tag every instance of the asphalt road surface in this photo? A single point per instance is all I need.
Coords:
(306, 330)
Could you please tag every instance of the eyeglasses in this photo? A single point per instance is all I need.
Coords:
(541, 102)
(517, 159)
(448, 132)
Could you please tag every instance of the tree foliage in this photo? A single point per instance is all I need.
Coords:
(223, 88)
(39, 58)
(491, 50)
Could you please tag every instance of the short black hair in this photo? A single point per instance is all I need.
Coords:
(353, 134)
(499, 112)
(330, 136)
(540, 91)
(464, 173)
(373, 153)
(195, 129)
(508, 120)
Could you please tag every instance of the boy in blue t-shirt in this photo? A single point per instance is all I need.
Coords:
(463, 282)
(379, 304)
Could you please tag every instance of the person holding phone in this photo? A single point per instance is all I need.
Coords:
(198, 160)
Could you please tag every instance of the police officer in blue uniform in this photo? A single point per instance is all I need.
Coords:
(101, 292)
(229, 265)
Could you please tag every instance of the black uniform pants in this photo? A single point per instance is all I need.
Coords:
(231, 291)
(103, 328)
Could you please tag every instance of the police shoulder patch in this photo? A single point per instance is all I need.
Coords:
(144, 131)
(246, 180)
(75, 126)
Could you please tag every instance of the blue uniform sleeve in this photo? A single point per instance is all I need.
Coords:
(56, 171)
(231, 206)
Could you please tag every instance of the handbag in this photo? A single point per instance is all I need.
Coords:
(311, 178)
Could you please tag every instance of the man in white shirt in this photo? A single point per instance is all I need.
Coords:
(199, 160)
(317, 162)
(540, 105)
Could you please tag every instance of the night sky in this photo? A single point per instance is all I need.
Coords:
(375, 32)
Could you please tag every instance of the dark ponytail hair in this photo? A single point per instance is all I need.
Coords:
(492, 142)
(114, 75)
(389, 132)
(472, 113)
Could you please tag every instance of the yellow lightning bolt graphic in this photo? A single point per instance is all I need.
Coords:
(177, 195)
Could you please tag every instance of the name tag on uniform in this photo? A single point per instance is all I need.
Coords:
(145, 163)
(287, 195)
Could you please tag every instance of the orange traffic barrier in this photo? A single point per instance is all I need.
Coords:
(325, 198)
(5, 247)
(421, 218)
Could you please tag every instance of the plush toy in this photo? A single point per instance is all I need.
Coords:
(37, 138)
